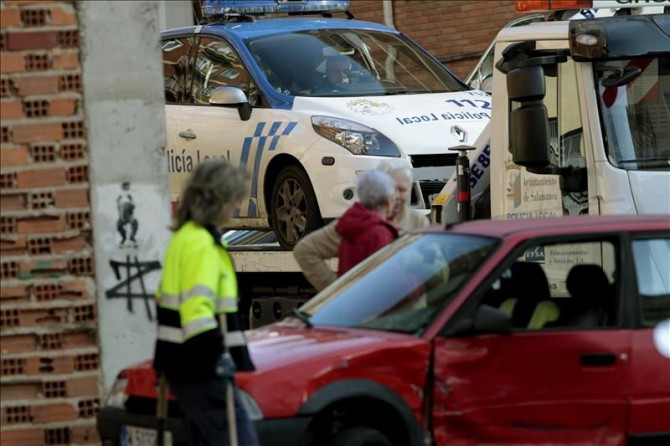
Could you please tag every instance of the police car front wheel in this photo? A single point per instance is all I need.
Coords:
(293, 207)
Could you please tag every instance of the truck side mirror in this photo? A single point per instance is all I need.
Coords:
(231, 96)
(528, 120)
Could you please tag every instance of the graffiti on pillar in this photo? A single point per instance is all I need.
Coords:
(127, 223)
(130, 276)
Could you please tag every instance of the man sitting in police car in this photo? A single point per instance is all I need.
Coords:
(337, 74)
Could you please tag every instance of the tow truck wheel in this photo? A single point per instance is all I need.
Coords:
(360, 436)
(294, 211)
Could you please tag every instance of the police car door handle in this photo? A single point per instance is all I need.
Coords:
(187, 135)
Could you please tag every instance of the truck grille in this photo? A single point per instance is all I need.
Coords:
(424, 188)
(438, 160)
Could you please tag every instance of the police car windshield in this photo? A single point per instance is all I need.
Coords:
(348, 62)
(635, 111)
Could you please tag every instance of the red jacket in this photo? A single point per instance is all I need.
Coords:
(363, 232)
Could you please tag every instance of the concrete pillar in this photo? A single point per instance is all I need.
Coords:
(125, 122)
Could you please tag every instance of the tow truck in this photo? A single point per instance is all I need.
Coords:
(581, 115)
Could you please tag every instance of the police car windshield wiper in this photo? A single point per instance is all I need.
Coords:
(304, 317)
(396, 91)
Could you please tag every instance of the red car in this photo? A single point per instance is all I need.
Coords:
(551, 331)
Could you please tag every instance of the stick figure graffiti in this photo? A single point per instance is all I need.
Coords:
(127, 220)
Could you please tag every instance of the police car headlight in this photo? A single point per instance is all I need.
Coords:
(356, 138)
(250, 405)
(117, 394)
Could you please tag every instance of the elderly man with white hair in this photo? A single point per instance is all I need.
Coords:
(313, 251)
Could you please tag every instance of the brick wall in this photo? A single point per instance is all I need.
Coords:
(50, 357)
(455, 32)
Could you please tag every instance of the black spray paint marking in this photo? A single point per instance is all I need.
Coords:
(134, 271)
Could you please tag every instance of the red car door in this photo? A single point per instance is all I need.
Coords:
(650, 360)
(560, 387)
(563, 379)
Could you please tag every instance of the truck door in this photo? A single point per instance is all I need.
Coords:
(561, 376)
(528, 195)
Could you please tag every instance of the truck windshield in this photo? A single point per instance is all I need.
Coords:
(404, 286)
(348, 62)
(634, 102)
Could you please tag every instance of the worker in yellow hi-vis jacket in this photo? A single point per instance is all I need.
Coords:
(199, 333)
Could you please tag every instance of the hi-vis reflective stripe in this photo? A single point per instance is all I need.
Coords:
(198, 290)
(173, 301)
(198, 326)
(169, 301)
(170, 334)
(235, 339)
(226, 305)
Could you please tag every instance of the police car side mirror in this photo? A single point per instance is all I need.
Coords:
(231, 97)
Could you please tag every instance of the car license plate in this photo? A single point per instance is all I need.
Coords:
(140, 436)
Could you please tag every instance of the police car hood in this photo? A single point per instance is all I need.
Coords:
(419, 124)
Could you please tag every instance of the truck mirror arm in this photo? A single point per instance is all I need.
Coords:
(572, 179)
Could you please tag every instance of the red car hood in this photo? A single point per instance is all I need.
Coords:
(293, 361)
(283, 345)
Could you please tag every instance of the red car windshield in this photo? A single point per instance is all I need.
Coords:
(402, 287)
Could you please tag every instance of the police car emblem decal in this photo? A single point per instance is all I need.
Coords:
(368, 107)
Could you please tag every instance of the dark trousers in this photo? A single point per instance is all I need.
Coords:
(205, 415)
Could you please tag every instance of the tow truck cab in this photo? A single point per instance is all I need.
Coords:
(581, 116)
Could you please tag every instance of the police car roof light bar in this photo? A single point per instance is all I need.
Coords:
(215, 8)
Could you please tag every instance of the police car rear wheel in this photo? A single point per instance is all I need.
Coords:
(294, 209)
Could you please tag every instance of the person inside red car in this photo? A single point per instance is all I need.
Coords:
(365, 227)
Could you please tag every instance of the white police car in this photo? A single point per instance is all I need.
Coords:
(306, 102)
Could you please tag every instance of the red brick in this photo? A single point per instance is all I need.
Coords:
(37, 132)
(12, 62)
(74, 289)
(83, 386)
(19, 391)
(66, 245)
(29, 179)
(41, 224)
(14, 293)
(10, 17)
(15, 156)
(13, 202)
(42, 317)
(31, 85)
(79, 340)
(40, 40)
(10, 109)
(63, 107)
(22, 437)
(50, 266)
(50, 413)
(71, 198)
(65, 60)
(18, 344)
(54, 365)
(84, 435)
(63, 15)
(13, 247)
